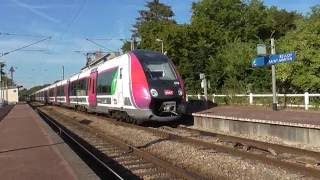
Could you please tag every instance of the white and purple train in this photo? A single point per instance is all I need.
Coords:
(137, 86)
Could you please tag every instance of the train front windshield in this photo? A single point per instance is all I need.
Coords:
(157, 66)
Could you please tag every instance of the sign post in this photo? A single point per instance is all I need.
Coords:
(271, 60)
(205, 87)
(274, 88)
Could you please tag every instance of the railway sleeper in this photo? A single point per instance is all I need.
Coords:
(142, 165)
(128, 157)
(155, 175)
(162, 177)
(114, 154)
(155, 172)
(141, 171)
(131, 163)
(119, 153)
(102, 147)
(112, 150)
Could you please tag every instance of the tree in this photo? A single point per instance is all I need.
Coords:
(154, 12)
(219, 41)
(150, 25)
(24, 93)
(302, 75)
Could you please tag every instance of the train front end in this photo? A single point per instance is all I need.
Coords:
(157, 89)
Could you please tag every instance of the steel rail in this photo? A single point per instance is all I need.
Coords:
(286, 164)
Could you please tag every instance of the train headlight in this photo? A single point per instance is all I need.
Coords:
(180, 92)
(154, 93)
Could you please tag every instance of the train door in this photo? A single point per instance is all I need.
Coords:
(92, 89)
(55, 94)
(120, 88)
(66, 92)
(46, 96)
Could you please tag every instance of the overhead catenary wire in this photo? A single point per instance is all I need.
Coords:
(109, 39)
(25, 35)
(97, 44)
(74, 18)
(25, 46)
(33, 50)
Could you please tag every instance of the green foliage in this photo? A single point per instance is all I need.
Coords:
(221, 41)
(155, 12)
(24, 93)
(302, 75)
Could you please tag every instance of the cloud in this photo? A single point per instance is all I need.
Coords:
(34, 9)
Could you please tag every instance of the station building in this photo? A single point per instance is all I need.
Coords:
(9, 95)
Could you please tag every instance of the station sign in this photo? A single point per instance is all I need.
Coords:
(259, 61)
(273, 59)
(281, 58)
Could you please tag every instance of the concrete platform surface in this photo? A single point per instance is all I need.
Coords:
(29, 149)
(291, 127)
(261, 115)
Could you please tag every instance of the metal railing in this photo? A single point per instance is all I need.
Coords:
(251, 97)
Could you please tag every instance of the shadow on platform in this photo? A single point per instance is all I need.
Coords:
(195, 106)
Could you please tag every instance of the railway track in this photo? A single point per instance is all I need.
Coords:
(293, 159)
(113, 158)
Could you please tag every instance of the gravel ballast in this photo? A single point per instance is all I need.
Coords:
(206, 162)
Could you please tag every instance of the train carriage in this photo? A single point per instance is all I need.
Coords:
(140, 85)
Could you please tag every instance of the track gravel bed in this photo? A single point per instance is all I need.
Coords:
(135, 167)
(205, 162)
(124, 133)
(273, 140)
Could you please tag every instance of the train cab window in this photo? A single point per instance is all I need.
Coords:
(156, 66)
(120, 73)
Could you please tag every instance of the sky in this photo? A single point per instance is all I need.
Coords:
(69, 23)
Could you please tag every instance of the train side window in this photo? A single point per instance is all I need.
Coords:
(107, 82)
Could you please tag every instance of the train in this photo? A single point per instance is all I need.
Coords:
(138, 86)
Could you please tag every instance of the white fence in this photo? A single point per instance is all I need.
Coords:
(251, 97)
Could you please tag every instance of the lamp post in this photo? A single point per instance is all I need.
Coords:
(1, 83)
(160, 40)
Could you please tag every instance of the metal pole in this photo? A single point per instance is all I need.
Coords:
(162, 46)
(62, 72)
(205, 91)
(132, 43)
(7, 99)
(274, 88)
(1, 84)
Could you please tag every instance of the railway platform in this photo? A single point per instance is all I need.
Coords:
(29, 149)
(292, 127)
